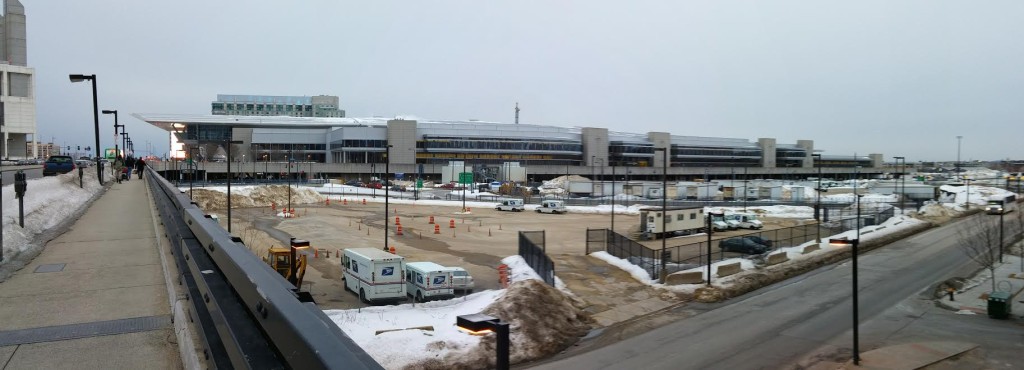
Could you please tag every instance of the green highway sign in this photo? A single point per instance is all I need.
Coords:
(465, 177)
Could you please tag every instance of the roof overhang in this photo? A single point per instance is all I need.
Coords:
(177, 122)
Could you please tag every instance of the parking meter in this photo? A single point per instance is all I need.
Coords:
(20, 185)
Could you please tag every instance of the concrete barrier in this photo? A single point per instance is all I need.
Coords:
(729, 269)
(811, 248)
(684, 277)
(777, 258)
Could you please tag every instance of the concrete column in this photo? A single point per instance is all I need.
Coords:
(767, 152)
(877, 161)
(659, 140)
(808, 146)
(402, 138)
(595, 146)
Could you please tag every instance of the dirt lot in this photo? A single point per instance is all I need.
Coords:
(477, 243)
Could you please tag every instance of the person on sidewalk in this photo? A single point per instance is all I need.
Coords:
(118, 168)
(140, 166)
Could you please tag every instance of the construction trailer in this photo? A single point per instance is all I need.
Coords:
(678, 221)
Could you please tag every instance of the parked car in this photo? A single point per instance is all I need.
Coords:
(461, 279)
(742, 245)
(58, 164)
(355, 183)
(759, 240)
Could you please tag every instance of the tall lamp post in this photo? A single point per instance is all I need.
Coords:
(958, 139)
(903, 193)
(290, 182)
(817, 198)
(387, 191)
(853, 243)
(613, 196)
(96, 119)
(664, 211)
(114, 112)
(229, 181)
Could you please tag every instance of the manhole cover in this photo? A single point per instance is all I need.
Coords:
(53, 267)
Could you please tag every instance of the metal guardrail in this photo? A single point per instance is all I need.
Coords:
(248, 315)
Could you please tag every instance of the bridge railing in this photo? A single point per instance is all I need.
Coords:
(248, 316)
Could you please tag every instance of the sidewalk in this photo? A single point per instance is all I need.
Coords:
(95, 297)
(973, 298)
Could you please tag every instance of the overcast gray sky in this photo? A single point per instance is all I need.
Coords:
(892, 77)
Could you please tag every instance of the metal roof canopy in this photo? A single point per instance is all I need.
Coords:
(176, 122)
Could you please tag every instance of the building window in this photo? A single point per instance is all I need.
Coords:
(18, 85)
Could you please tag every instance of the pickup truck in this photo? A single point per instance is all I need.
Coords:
(58, 164)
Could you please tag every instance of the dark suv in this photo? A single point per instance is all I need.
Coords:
(742, 245)
(58, 164)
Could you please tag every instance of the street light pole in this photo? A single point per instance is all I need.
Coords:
(96, 119)
(664, 211)
(958, 139)
(817, 198)
(114, 112)
(613, 197)
(387, 191)
(902, 194)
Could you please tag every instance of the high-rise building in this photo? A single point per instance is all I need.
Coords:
(261, 105)
(17, 85)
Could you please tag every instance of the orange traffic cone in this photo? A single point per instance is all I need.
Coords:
(344, 202)
(451, 223)
(364, 201)
(399, 230)
(398, 220)
(393, 250)
(328, 201)
(437, 229)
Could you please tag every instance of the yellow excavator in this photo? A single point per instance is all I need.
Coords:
(291, 264)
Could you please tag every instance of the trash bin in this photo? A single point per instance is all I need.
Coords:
(999, 305)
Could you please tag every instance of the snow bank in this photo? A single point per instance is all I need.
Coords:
(543, 321)
(48, 202)
(215, 197)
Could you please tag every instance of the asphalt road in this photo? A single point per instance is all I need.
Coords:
(31, 172)
(777, 325)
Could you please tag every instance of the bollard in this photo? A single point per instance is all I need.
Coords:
(431, 222)
(451, 223)
(437, 229)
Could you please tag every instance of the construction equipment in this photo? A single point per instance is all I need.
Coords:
(291, 264)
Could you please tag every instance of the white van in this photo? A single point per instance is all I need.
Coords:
(374, 275)
(551, 206)
(514, 205)
(427, 281)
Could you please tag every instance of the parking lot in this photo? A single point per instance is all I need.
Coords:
(477, 242)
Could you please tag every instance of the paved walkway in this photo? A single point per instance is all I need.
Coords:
(96, 297)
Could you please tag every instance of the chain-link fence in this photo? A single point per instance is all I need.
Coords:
(681, 257)
(531, 248)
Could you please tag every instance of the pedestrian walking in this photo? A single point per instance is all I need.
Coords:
(140, 166)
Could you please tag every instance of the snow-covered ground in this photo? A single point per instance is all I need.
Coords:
(48, 202)
(55, 199)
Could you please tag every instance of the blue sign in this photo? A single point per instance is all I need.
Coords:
(399, 175)
(439, 280)
(387, 271)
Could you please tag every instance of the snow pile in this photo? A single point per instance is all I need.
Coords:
(560, 184)
(543, 321)
(49, 201)
(253, 196)
(959, 196)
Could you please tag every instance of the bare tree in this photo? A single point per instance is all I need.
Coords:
(978, 238)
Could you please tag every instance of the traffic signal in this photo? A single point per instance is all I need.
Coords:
(79, 147)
